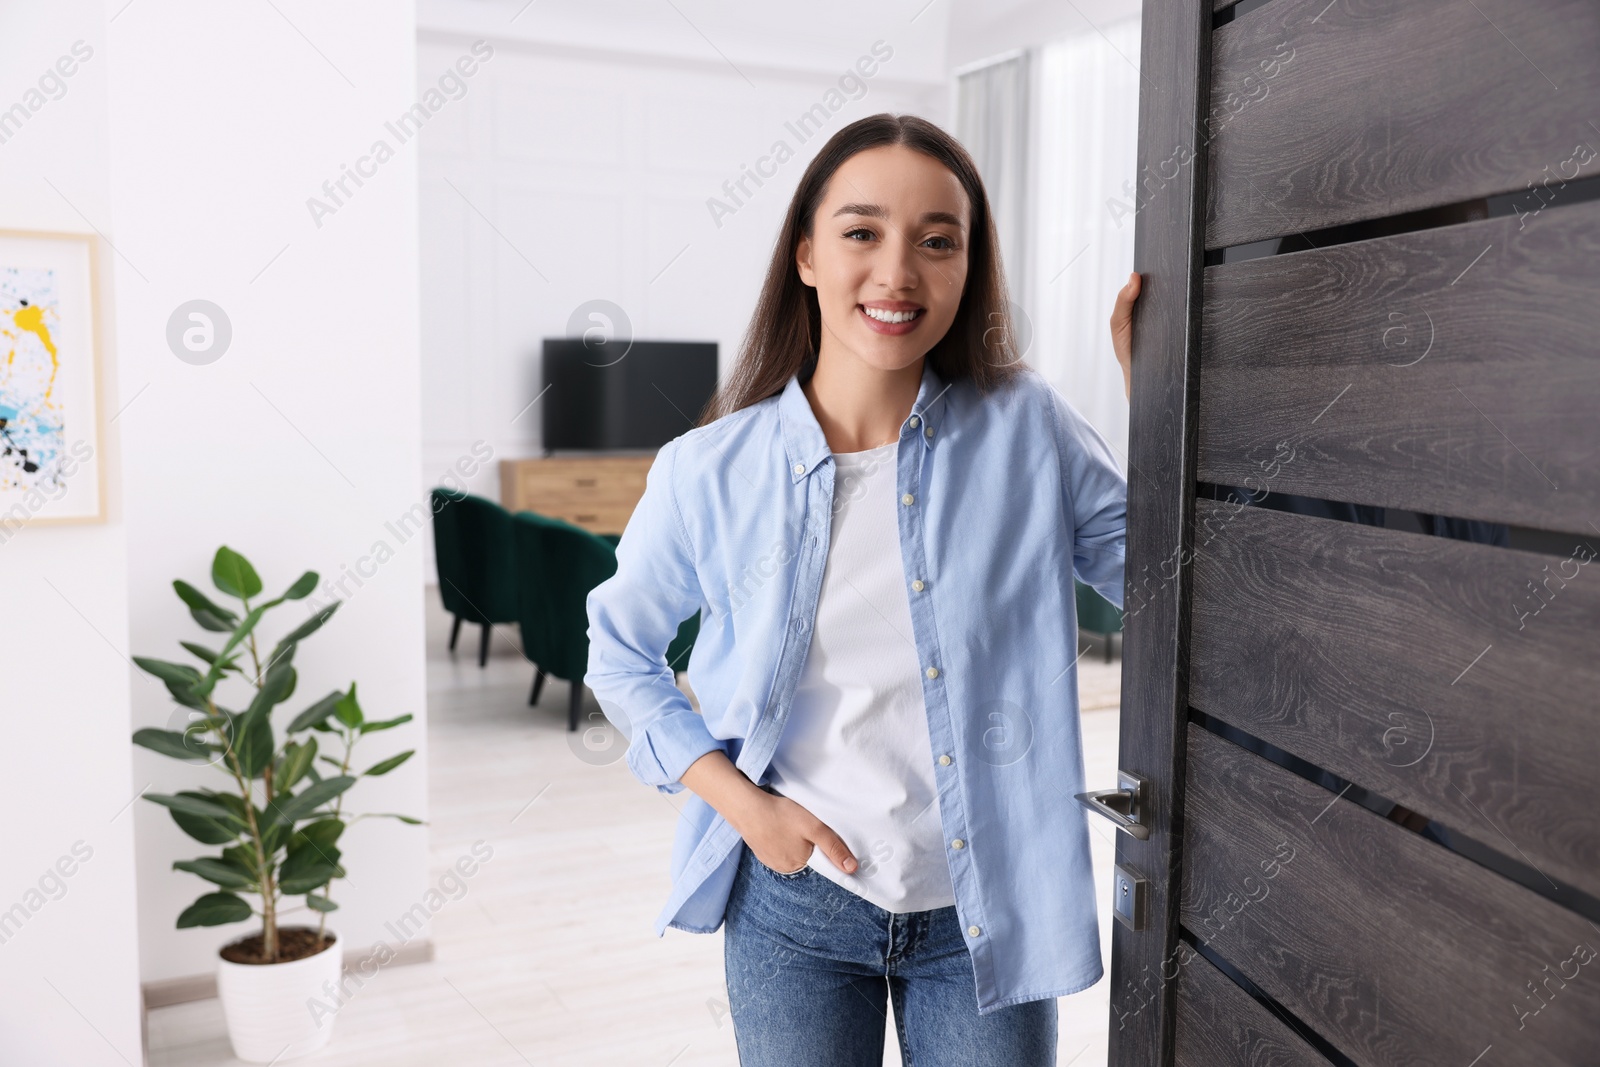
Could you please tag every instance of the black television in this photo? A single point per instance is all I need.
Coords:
(623, 396)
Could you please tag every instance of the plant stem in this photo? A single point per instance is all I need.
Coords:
(269, 922)
(254, 658)
(338, 806)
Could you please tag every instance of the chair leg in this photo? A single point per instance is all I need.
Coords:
(455, 632)
(483, 646)
(574, 705)
(538, 685)
(1108, 647)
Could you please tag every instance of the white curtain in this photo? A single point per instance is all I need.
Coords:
(1086, 140)
(992, 122)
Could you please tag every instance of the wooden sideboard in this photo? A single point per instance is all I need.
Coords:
(597, 492)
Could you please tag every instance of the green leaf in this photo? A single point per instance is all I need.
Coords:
(336, 763)
(242, 630)
(309, 627)
(308, 880)
(232, 802)
(243, 856)
(274, 835)
(181, 680)
(206, 613)
(214, 623)
(215, 909)
(316, 713)
(198, 804)
(307, 867)
(374, 727)
(392, 815)
(292, 809)
(385, 766)
(168, 672)
(324, 833)
(322, 904)
(188, 745)
(296, 762)
(200, 651)
(276, 687)
(202, 689)
(254, 743)
(203, 828)
(302, 587)
(210, 657)
(232, 574)
(348, 711)
(304, 851)
(229, 875)
(283, 655)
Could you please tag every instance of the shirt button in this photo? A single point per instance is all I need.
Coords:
(974, 930)
(917, 585)
(944, 761)
(913, 420)
(958, 843)
(928, 432)
(933, 672)
(799, 468)
(907, 499)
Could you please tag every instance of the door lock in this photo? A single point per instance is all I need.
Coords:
(1128, 893)
(1127, 806)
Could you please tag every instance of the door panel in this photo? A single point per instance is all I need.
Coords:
(1397, 951)
(1219, 1025)
(1456, 370)
(1377, 107)
(1397, 661)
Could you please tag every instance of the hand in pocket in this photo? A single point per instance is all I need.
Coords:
(782, 835)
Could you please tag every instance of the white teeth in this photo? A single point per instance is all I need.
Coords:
(889, 316)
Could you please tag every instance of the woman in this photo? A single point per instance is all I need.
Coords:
(879, 518)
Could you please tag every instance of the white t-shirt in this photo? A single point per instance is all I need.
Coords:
(856, 751)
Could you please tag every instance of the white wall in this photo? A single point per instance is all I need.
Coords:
(982, 28)
(816, 36)
(301, 442)
(564, 175)
(69, 989)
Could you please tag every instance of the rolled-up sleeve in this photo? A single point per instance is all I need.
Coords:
(1097, 497)
(633, 616)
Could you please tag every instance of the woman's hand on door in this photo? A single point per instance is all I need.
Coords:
(781, 833)
(1122, 329)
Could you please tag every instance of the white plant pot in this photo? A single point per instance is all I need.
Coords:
(273, 1009)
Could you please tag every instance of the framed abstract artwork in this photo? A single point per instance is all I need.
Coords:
(50, 445)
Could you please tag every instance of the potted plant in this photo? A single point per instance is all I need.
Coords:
(278, 818)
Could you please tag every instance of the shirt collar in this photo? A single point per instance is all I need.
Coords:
(805, 445)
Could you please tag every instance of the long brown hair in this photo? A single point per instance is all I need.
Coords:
(781, 340)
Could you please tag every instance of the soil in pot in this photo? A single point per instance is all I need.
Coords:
(294, 943)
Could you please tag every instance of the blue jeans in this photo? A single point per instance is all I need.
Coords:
(809, 965)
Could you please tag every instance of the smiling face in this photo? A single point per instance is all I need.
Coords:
(887, 255)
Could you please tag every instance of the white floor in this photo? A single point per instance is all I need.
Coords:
(551, 958)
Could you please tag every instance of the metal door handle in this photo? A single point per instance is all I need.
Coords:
(1126, 806)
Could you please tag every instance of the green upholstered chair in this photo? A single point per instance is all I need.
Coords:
(477, 564)
(557, 565)
(1097, 615)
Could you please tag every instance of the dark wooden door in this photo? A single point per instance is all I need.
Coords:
(1362, 663)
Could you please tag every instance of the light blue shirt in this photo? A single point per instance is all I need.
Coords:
(1002, 498)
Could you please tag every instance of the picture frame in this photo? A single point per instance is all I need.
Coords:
(51, 468)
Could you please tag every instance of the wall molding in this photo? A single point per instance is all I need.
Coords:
(169, 991)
